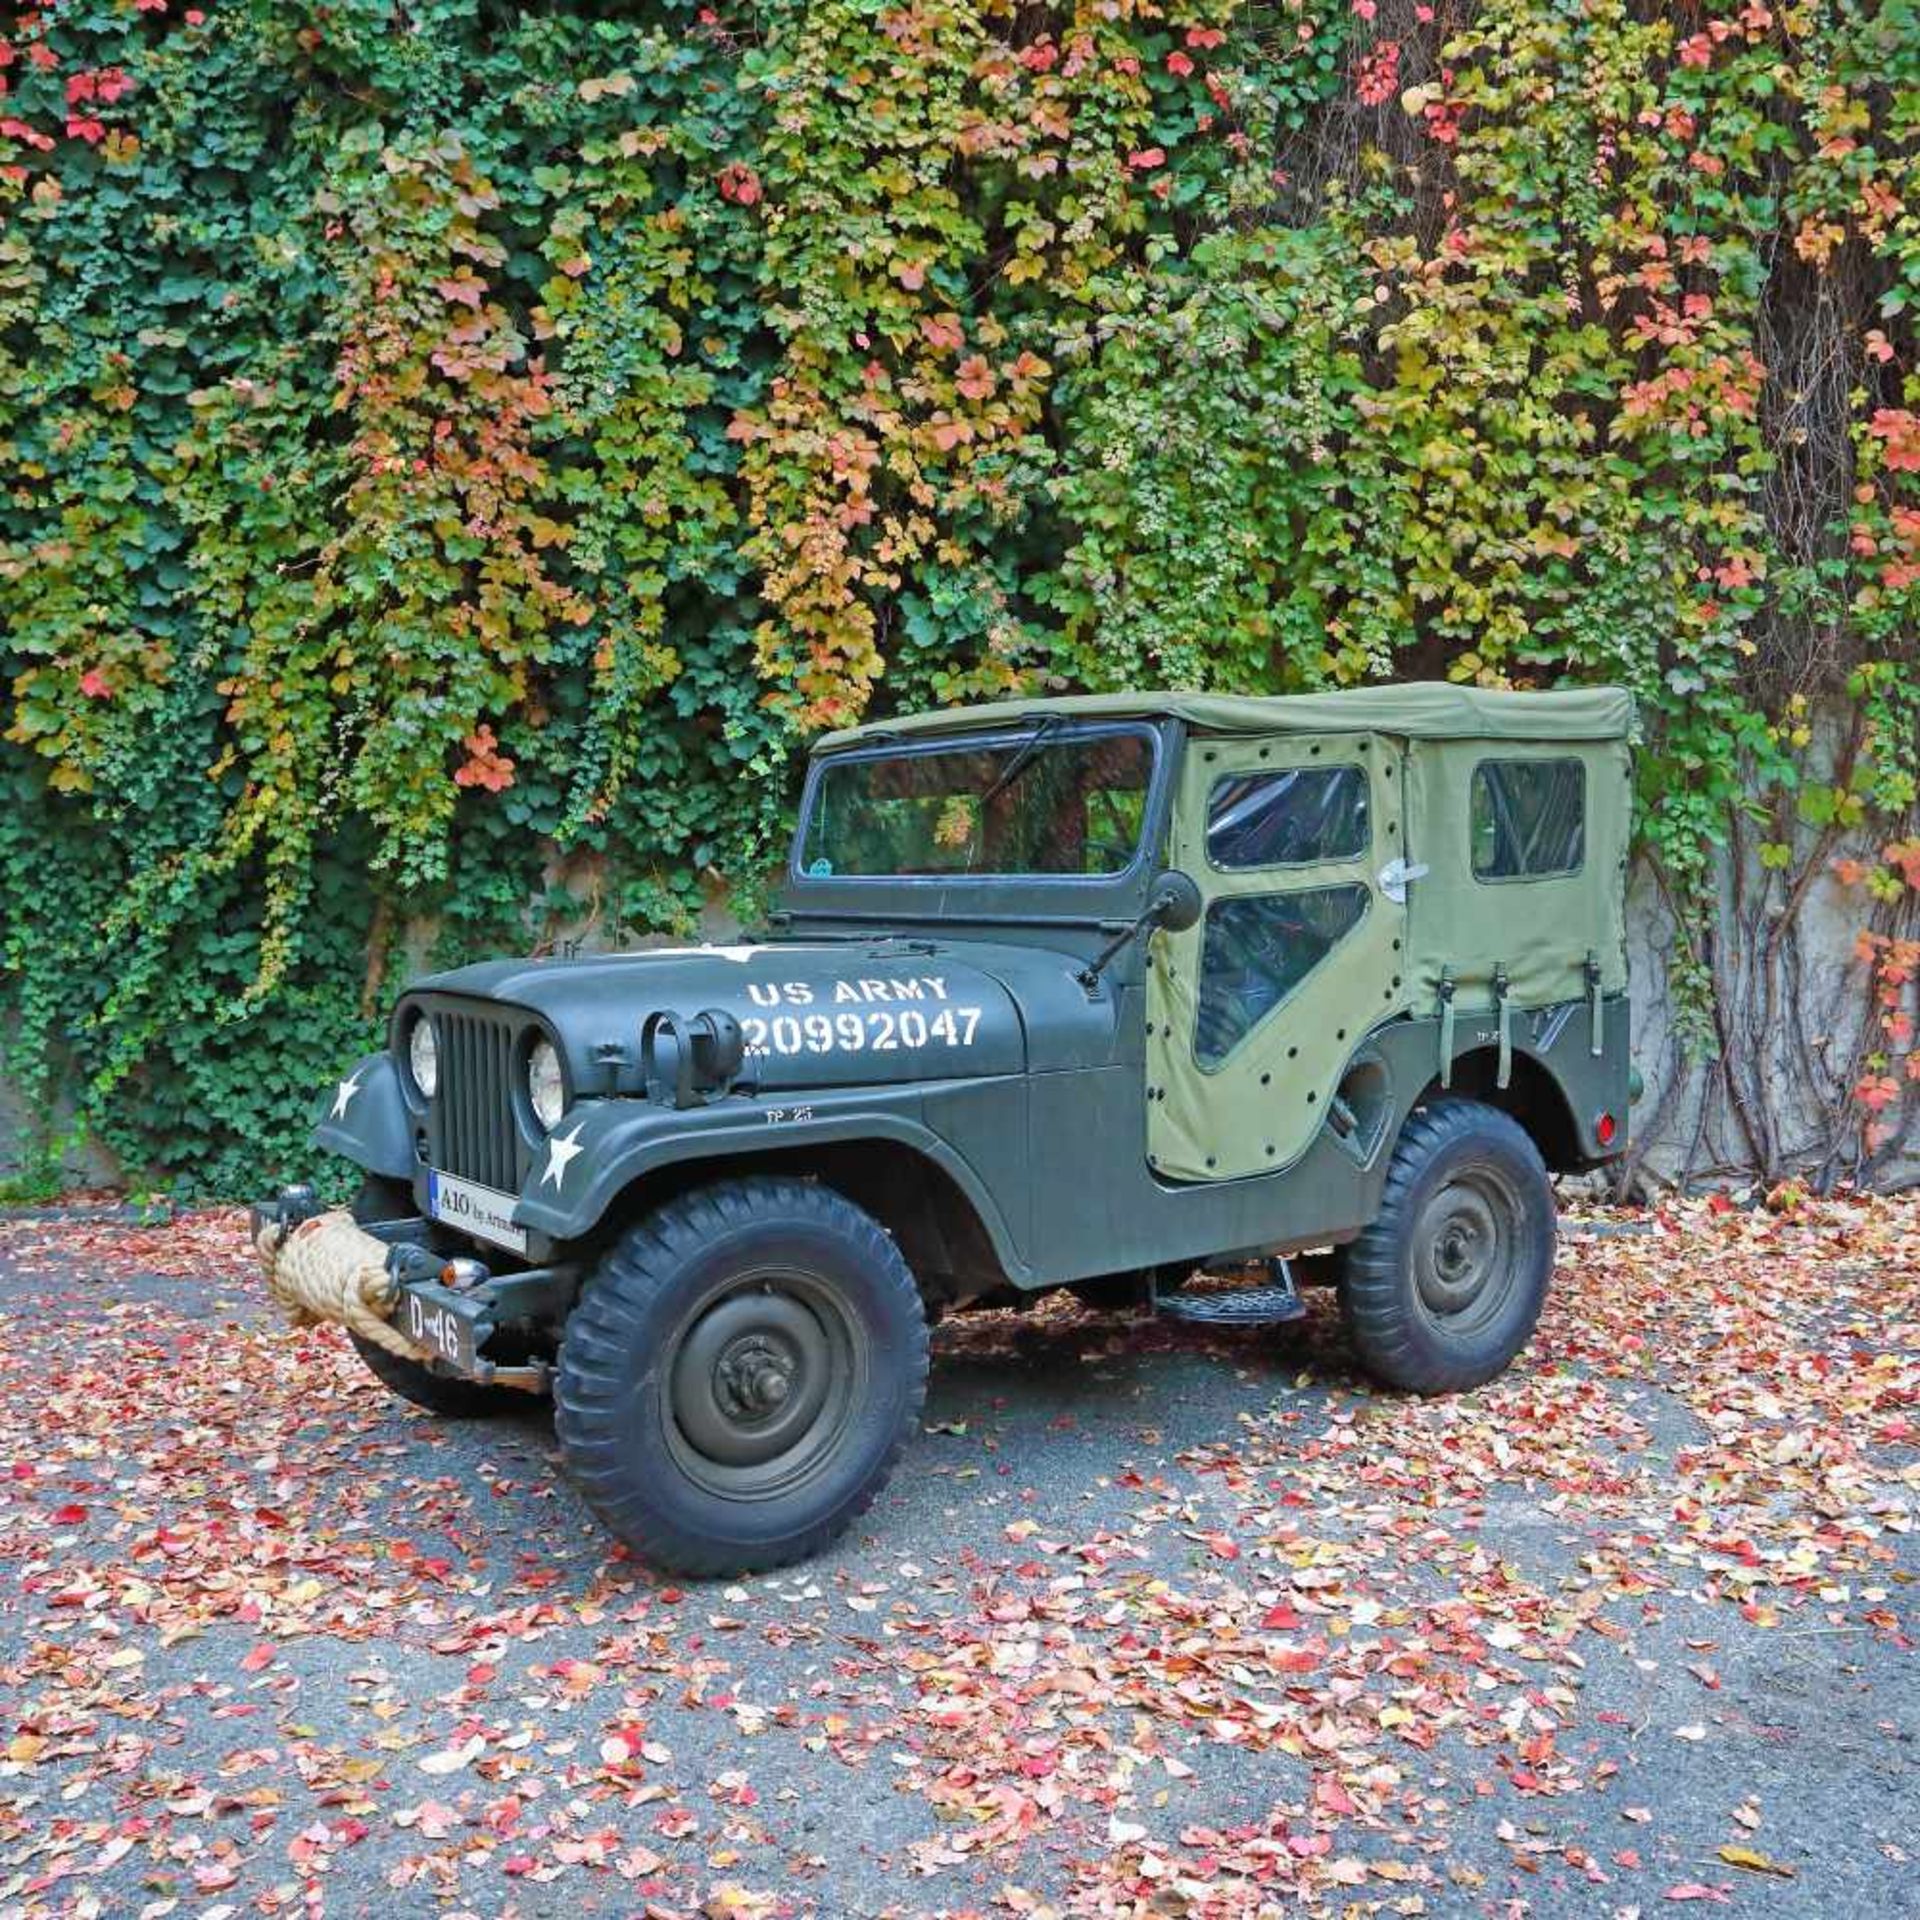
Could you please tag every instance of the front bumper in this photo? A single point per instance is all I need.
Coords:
(449, 1307)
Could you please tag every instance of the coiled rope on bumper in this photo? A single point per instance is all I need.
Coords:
(330, 1268)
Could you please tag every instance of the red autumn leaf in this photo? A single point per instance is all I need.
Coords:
(1899, 432)
(1378, 79)
(974, 377)
(485, 766)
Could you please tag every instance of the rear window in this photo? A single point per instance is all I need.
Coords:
(1529, 818)
(1287, 817)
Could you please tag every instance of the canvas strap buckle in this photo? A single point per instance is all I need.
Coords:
(1446, 1026)
(1596, 1041)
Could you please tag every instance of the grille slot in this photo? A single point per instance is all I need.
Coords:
(474, 1133)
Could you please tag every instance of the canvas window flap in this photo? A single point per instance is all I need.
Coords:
(1542, 930)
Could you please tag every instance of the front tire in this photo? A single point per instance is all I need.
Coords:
(740, 1374)
(1446, 1285)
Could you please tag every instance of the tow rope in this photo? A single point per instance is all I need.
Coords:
(331, 1269)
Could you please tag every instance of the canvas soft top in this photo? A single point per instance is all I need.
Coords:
(1416, 710)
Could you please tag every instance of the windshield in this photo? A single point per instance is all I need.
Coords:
(1041, 802)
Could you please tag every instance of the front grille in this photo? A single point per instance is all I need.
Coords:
(474, 1135)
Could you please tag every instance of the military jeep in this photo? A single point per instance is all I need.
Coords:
(1138, 994)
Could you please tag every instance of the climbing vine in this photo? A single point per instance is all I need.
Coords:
(451, 459)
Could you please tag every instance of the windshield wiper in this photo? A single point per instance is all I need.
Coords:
(1021, 761)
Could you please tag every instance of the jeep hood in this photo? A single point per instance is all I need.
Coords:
(816, 1014)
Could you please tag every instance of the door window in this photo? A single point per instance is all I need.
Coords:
(1258, 949)
(1287, 817)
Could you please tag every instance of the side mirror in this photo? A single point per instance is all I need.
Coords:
(1176, 904)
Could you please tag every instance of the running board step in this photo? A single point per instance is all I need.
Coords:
(1278, 1301)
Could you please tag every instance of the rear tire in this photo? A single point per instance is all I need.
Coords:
(450, 1398)
(740, 1374)
(1446, 1285)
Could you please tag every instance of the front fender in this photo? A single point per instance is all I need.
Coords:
(606, 1145)
(364, 1118)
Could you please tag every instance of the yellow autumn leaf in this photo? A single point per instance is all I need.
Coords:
(1755, 1862)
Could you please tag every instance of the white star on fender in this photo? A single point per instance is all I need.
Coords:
(343, 1094)
(560, 1151)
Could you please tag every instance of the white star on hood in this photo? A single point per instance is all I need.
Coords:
(343, 1094)
(560, 1152)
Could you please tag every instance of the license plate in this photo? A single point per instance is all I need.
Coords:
(480, 1211)
(445, 1334)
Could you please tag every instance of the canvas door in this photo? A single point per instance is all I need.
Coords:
(1254, 1012)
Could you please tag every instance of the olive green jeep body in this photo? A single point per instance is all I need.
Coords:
(1096, 990)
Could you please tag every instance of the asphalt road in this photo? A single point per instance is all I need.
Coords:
(1150, 1621)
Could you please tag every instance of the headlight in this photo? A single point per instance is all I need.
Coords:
(545, 1087)
(423, 1057)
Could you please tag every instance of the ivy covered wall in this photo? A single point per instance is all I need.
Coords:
(453, 454)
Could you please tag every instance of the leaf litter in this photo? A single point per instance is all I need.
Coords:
(1348, 1651)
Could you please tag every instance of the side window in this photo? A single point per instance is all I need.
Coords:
(1528, 818)
(1258, 948)
(1289, 817)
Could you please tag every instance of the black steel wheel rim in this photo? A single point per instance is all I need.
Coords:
(761, 1383)
(1467, 1251)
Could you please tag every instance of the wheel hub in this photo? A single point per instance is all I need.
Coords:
(751, 1378)
(1462, 1249)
